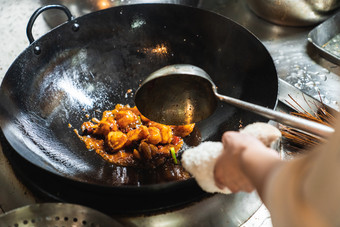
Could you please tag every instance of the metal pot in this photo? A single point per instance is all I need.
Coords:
(292, 12)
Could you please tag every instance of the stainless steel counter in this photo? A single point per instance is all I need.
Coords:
(296, 61)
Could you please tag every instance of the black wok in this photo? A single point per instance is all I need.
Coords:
(88, 64)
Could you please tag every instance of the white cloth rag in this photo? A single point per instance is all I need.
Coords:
(200, 161)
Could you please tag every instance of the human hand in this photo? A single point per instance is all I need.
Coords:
(240, 166)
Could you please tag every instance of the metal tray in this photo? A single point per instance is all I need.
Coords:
(326, 38)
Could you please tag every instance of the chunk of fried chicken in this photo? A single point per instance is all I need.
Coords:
(137, 134)
(126, 118)
(183, 130)
(116, 140)
(155, 136)
(106, 126)
(165, 131)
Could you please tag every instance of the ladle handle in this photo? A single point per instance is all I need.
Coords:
(286, 119)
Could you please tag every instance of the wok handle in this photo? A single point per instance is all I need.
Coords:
(305, 125)
(38, 12)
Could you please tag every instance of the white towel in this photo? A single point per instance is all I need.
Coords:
(200, 161)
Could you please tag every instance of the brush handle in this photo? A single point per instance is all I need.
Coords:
(305, 125)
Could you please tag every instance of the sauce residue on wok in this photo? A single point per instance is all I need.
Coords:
(125, 137)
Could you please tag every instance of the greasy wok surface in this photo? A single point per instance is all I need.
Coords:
(44, 97)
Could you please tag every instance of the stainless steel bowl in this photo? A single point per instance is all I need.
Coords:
(82, 7)
(294, 12)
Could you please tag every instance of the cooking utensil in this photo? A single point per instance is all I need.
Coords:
(56, 214)
(183, 94)
(91, 63)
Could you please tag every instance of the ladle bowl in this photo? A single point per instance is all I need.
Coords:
(182, 94)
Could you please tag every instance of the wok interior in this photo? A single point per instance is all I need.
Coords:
(43, 97)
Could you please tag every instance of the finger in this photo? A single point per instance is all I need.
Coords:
(233, 187)
(246, 185)
(249, 188)
(228, 136)
(223, 183)
(219, 184)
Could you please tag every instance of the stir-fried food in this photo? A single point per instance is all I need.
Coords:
(125, 137)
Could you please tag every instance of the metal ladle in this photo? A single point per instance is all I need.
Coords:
(184, 94)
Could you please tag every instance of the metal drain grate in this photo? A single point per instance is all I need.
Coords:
(56, 215)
